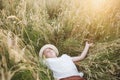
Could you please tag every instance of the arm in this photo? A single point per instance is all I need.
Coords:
(83, 54)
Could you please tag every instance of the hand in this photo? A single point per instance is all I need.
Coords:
(89, 44)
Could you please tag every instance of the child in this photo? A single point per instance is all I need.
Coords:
(63, 67)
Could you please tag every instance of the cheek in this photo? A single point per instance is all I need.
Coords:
(53, 53)
(46, 54)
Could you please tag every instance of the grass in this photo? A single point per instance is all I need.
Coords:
(26, 25)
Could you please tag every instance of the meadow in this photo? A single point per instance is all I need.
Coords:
(26, 25)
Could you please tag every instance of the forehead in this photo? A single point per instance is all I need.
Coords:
(48, 49)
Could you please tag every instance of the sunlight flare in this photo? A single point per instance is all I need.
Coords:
(97, 4)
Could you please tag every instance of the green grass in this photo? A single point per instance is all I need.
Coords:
(26, 25)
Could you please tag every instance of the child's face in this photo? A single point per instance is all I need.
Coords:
(49, 53)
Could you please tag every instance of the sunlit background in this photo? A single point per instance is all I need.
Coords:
(100, 4)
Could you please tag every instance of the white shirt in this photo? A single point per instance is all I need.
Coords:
(62, 67)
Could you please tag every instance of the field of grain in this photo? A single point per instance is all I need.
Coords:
(26, 25)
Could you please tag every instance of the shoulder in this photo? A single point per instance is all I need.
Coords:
(65, 56)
